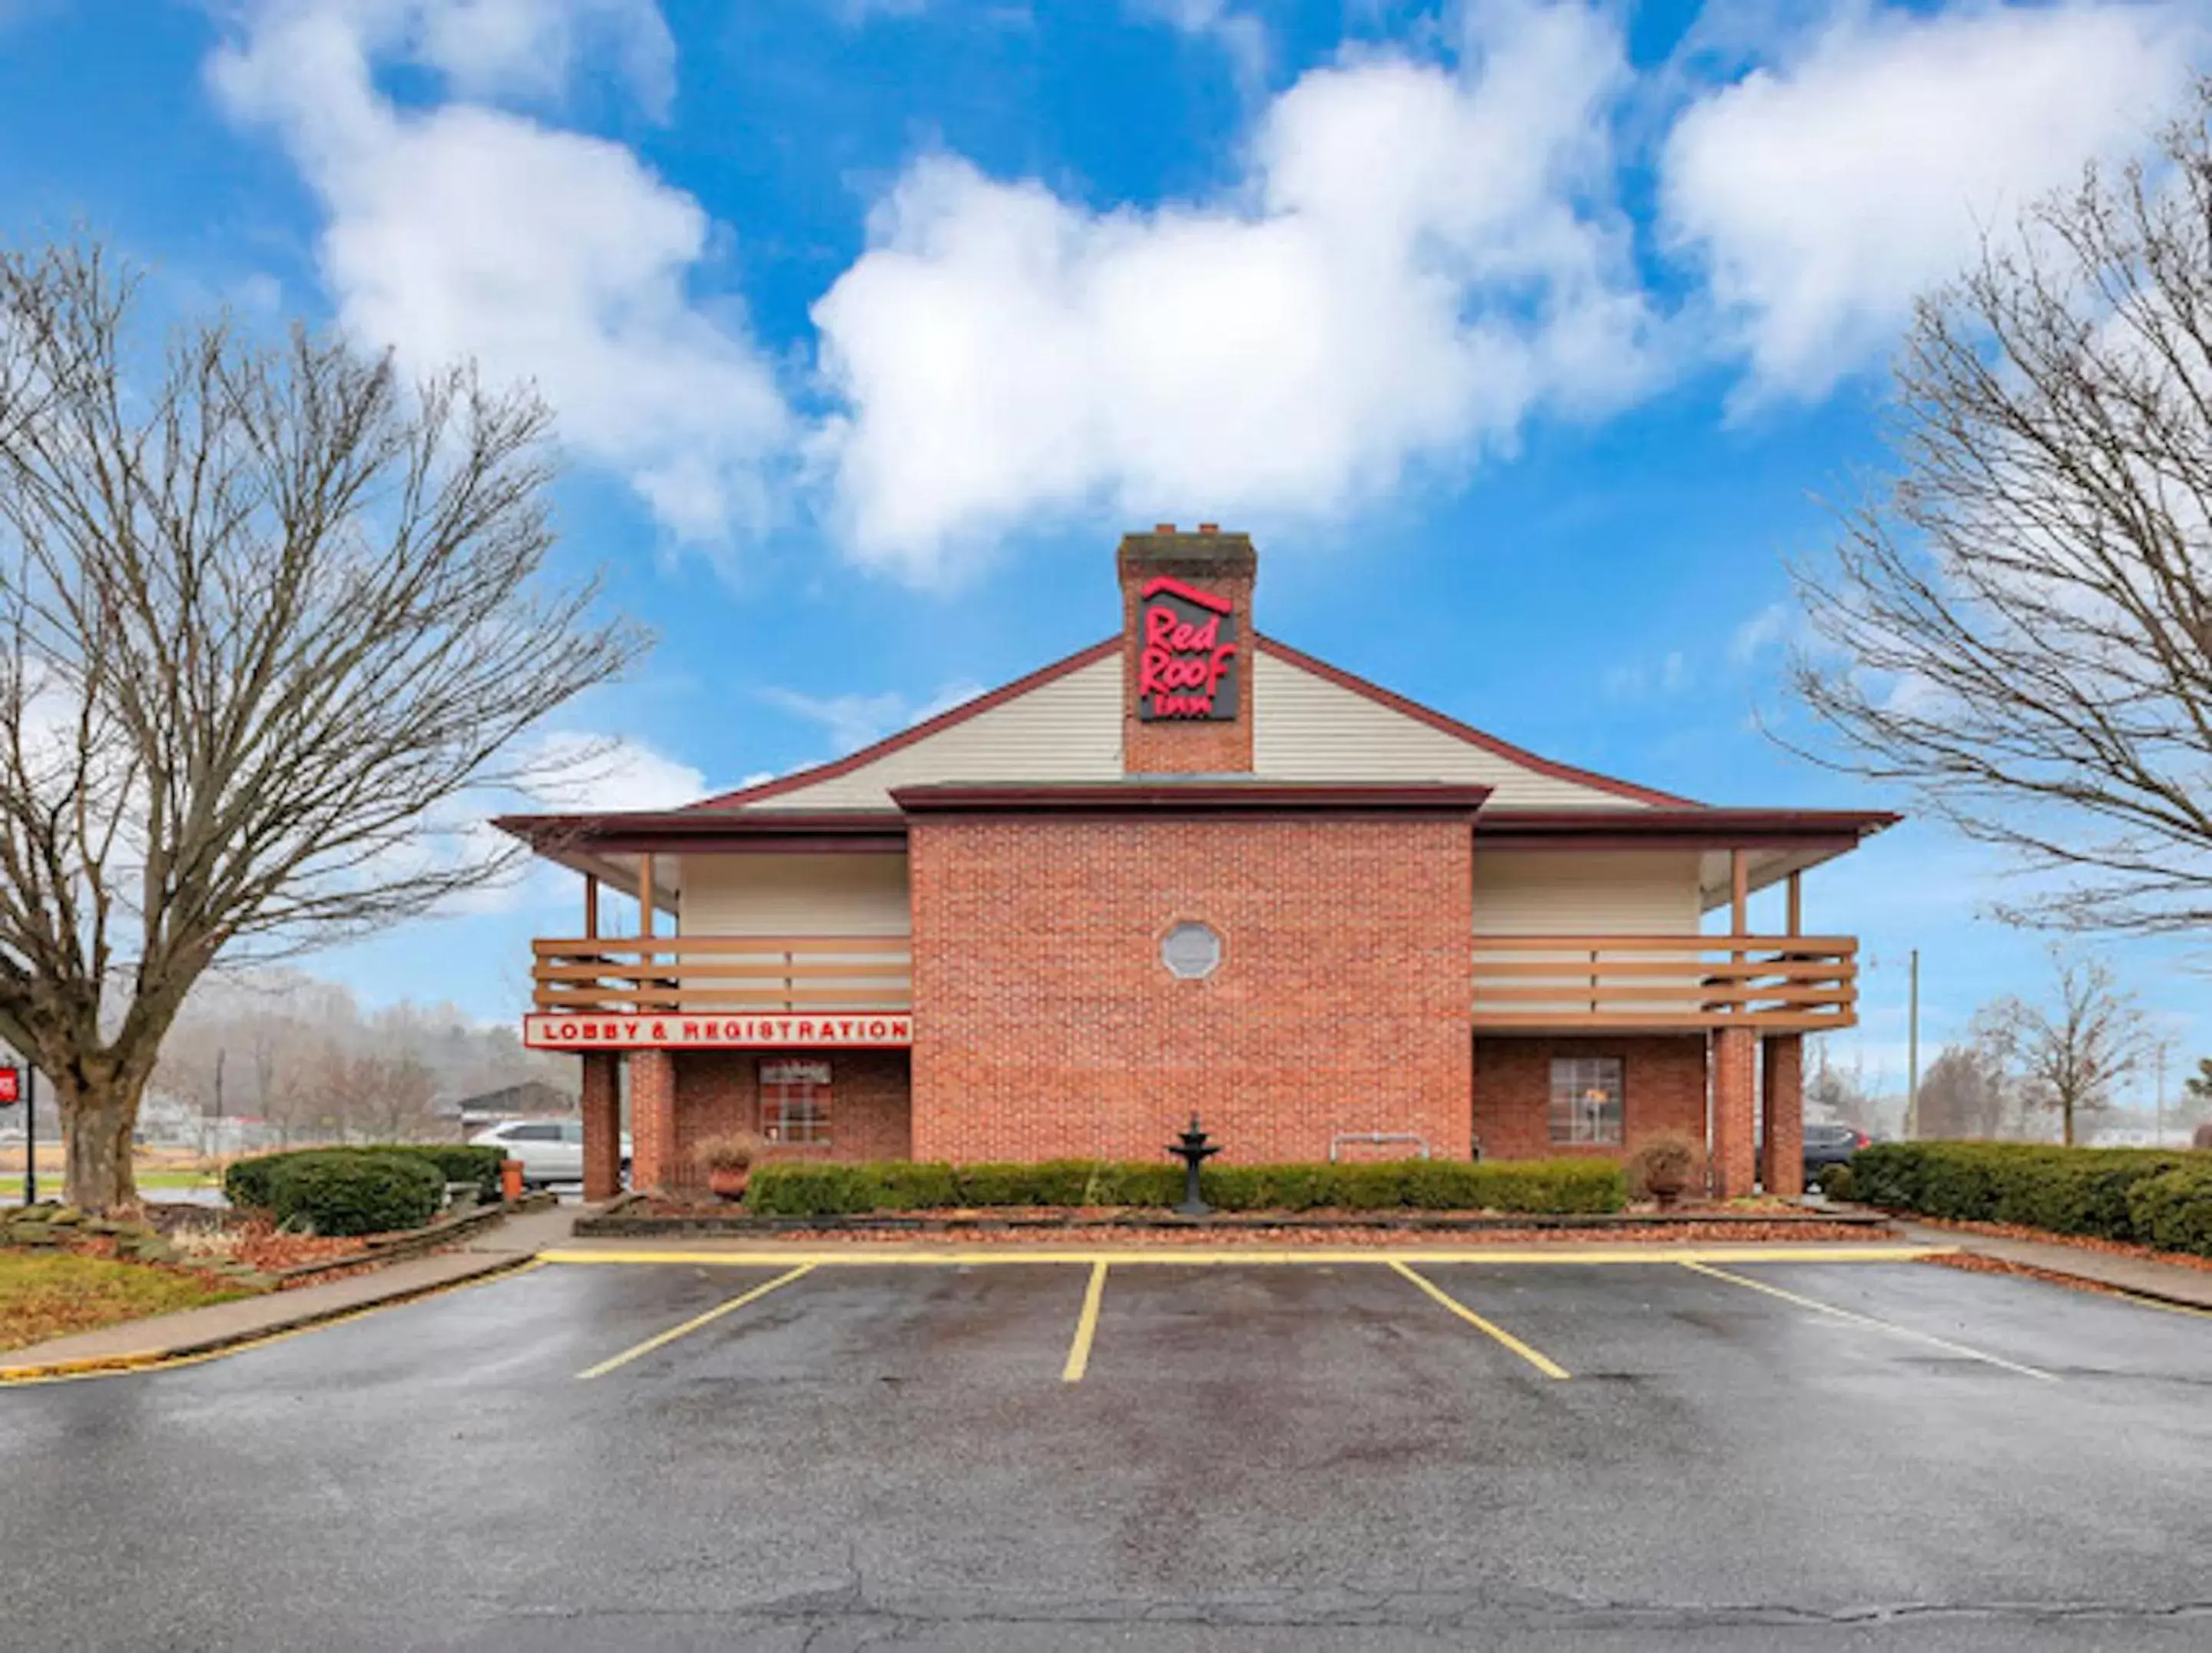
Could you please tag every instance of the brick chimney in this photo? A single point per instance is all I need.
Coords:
(1187, 651)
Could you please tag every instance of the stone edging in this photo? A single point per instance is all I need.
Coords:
(391, 1248)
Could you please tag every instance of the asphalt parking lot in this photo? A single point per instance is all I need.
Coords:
(1159, 1453)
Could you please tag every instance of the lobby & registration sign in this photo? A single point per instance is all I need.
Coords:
(860, 1031)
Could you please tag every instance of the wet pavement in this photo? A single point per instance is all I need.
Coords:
(1803, 1455)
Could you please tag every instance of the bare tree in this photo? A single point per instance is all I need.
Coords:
(2020, 627)
(269, 616)
(1967, 1092)
(2072, 1052)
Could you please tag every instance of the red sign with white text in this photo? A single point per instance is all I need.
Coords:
(1185, 654)
(9, 1082)
(845, 1030)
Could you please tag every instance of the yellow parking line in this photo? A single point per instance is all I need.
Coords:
(866, 1255)
(1891, 1327)
(1086, 1326)
(1549, 1368)
(695, 1323)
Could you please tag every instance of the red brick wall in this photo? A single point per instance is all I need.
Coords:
(1736, 1099)
(870, 1114)
(602, 1111)
(1662, 1089)
(652, 1119)
(1045, 1024)
(1781, 1170)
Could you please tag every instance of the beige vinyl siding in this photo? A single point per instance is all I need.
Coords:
(1587, 892)
(794, 894)
(1306, 728)
(1580, 893)
(1069, 729)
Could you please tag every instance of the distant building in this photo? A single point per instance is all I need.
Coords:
(529, 1099)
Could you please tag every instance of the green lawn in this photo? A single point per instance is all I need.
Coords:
(176, 1180)
(50, 1294)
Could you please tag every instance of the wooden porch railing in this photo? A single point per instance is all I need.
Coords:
(1661, 982)
(750, 975)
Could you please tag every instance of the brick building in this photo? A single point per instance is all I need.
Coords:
(1191, 869)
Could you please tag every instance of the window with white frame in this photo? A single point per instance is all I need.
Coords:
(1586, 1100)
(795, 1098)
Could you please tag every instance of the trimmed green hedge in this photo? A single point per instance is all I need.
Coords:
(803, 1188)
(250, 1182)
(356, 1190)
(2174, 1209)
(2065, 1190)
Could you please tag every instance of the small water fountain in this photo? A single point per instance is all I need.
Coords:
(1194, 1150)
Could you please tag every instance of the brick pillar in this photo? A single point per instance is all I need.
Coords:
(653, 1121)
(1784, 1104)
(1735, 1099)
(602, 1124)
(1187, 606)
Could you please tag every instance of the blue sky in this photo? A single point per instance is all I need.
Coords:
(1524, 338)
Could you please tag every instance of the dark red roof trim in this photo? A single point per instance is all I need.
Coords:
(1157, 798)
(635, 831)
(922, 731)
(1467, 732)
(1830, 828)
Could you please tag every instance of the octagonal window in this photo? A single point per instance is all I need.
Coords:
(1191, 950)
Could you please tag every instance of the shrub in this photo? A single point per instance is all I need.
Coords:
(2087, 1191)
(249, 1182)
(463, 1162)
(356, 1190)
(1837, 1181)
(1665, 1163)
(2174, 1209)
(805, 1189)
(731, 1150)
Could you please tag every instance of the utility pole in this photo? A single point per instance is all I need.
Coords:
(30, 1132)
(2158, 1105)
(1912, 1051)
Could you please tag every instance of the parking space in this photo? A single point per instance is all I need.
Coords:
(987, 1453)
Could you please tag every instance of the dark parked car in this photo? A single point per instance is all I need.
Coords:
(1830, 1144)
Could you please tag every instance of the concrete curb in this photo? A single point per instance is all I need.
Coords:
(2121, 1277)
(199, 1348)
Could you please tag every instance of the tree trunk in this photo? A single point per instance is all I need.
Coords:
(97, 1124)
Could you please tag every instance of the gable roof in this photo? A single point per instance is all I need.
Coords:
(1062, 723)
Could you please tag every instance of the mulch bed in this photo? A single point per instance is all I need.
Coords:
(1759, 1223)
(1976, 1262)
(2078, 1241)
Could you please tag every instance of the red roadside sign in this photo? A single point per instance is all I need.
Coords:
(9, 1082)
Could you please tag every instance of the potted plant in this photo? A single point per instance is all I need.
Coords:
(1665, 1165)
(728, 1159)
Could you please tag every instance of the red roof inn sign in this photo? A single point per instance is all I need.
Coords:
(1187, 661)
(855, 1032)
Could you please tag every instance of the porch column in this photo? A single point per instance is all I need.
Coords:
(653, 1121)
(1783, 1103)
(602, 1124)
(1734, 1055)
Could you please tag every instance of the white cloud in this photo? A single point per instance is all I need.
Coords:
(1417, 259)
(545, 254)
(1823, 194)
(856, 720)
(567, 770)
(1241, 36)
(1770, 627)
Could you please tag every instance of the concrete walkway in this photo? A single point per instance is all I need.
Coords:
(195, 1332)
(2163, 1282)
